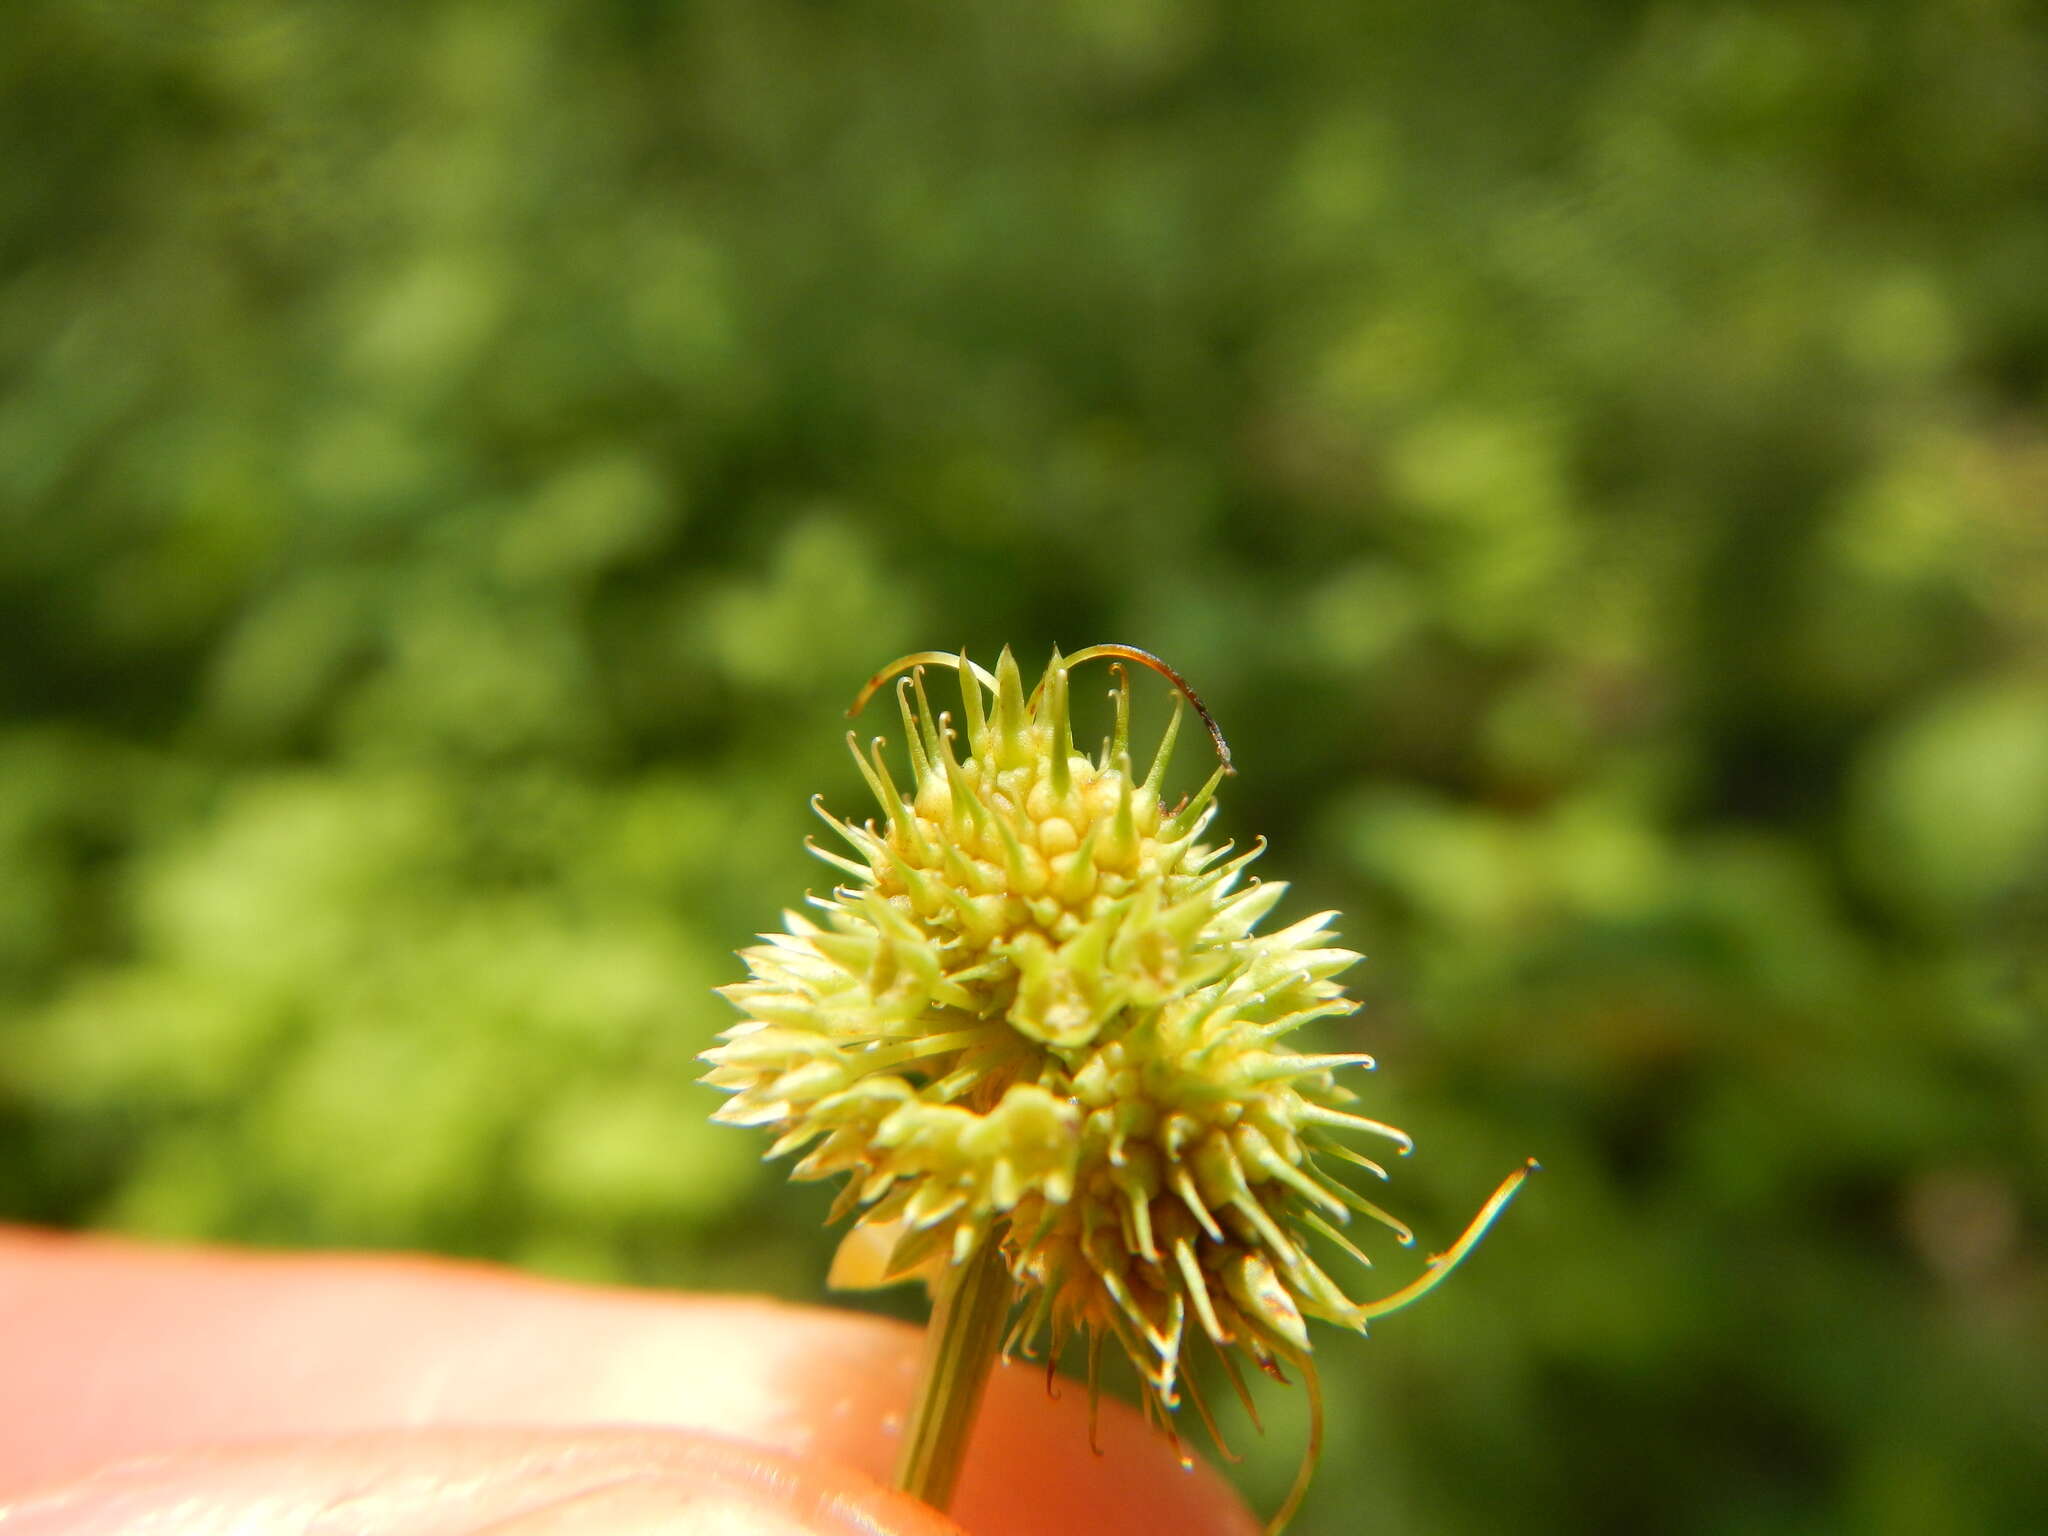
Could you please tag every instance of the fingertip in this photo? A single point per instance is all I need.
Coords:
(150, 1349)
(1032, 1468)
(507, 1482)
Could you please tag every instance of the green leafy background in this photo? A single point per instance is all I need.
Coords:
(458, 460)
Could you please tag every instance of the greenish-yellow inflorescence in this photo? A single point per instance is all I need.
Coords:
(1040, 1006)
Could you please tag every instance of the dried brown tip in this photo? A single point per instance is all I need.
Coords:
(1147, 659)
(919, 659)
(1129, 652)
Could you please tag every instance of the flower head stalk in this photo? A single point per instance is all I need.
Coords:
(1038, 1024)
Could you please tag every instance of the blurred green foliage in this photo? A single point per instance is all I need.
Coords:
(458, 460)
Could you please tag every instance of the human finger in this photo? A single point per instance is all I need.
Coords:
(114, 1349)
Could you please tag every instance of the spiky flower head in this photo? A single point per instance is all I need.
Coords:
(1040, 1010)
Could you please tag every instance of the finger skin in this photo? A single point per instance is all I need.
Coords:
(110, 1350)
(468, 1482)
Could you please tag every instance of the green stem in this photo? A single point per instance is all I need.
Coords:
(960, 1349)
